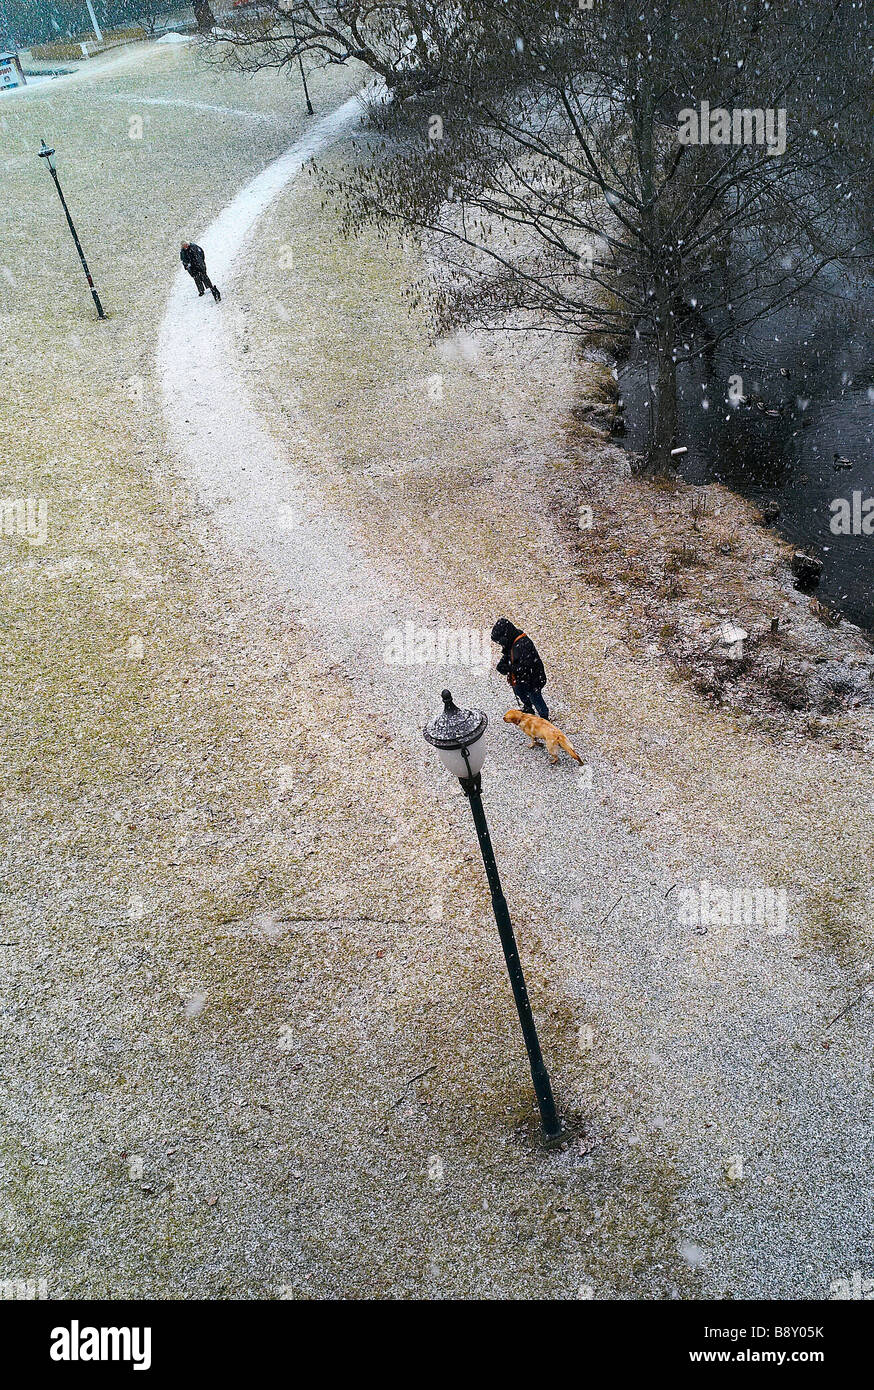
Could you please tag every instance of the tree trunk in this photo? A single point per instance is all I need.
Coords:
(664, 432)
(663, 435)
(203, 15)
(663, 277)
(665, 423)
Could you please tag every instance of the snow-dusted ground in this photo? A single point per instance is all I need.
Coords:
(260, 1033)
(72, 71)
(241, 472)
(714, 1040)
(35, 85)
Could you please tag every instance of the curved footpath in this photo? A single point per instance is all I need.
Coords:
(699, 1027)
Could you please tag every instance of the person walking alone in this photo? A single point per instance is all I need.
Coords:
(520, 663)
(194, 260)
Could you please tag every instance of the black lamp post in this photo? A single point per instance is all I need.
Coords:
(49, 157)
(459, 737)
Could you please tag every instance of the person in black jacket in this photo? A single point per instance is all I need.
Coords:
(194, 260)
(520, 663)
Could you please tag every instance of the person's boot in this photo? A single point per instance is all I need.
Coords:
(200, 292)
(216, 294)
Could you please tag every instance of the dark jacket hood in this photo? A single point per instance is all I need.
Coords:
(520, 660)
(192, 257)
(504, 632)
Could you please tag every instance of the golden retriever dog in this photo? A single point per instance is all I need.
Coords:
(541, 731)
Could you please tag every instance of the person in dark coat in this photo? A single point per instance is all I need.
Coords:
(520, 663)
(194, 260)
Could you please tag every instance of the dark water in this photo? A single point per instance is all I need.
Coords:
(825, 343)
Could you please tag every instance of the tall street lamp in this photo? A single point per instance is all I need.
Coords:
(459, 737)
(49, 157)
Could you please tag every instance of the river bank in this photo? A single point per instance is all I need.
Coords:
(697, 575)
(782, 415)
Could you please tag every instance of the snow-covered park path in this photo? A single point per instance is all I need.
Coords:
(714, 1037)
(240, 470)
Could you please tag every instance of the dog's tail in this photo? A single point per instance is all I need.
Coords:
(569, 748)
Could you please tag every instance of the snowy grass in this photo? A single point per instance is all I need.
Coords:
(202, 852)
(155, 794)
(228, 976)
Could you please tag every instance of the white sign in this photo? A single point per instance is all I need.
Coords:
(11, 74)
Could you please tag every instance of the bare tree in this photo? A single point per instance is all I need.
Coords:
(408, 45)
(662, 176)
